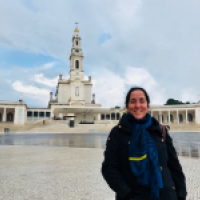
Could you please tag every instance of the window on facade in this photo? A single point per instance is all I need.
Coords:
(48, 114)
(41, 114)
(76, 42)
(35, 114)
(29, 114)
(77, 91)
(77, 64)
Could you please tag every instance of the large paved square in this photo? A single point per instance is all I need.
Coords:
(62, 173)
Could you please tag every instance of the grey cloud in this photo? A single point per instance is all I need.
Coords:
(160, 36)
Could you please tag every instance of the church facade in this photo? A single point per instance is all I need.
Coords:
(74, 100)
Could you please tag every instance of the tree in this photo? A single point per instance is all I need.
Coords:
(175, 102)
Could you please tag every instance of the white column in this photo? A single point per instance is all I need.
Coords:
(186, 120)
(169, 120)
(4, 115)
(16, 120)
(99, 116)
(24, 115)
(160, 117)
(177, 116)
(44, 114)
(52, 115)
(32, 115)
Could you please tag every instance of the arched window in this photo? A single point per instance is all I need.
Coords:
(77, 64)
(0, 117)
(76, 91)
(190, 117)
(76, 42)
(9, 117)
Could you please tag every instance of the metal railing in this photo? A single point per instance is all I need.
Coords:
(186, 143)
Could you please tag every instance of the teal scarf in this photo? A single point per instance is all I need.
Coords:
(143, 155)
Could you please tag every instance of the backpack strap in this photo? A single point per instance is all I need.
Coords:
(163, 128)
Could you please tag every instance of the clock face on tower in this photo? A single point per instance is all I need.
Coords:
(76, 50)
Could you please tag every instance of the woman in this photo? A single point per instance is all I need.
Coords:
(139, 164)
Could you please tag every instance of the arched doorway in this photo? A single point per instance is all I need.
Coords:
(107, 116)
(102, 117)
(117, 116)
(171, 119)
(112, 116)
(190, 117)
(9, 117)
(180, 118)
(0, 117)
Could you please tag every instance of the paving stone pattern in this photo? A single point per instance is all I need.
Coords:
(63, 173)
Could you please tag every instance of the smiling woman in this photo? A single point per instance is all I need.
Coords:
(140, 160)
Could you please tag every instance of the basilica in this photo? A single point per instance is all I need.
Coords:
(74, 100)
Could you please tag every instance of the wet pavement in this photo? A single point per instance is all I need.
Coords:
(186, 144)
(64, 173)
(83, 140)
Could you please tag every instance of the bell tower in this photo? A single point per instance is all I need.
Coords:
(76, 91)
(76, 57)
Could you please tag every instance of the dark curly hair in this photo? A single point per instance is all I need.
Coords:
(133, 89)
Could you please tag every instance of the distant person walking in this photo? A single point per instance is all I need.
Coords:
(140, 162)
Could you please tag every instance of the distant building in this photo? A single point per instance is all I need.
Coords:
(74, 100)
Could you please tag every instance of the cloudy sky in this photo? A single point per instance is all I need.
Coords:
(154, 44)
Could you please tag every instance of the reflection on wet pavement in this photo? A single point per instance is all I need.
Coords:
(186, 144)
(87, 140)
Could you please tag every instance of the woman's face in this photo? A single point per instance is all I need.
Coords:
(137, 105)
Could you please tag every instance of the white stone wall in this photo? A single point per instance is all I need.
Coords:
(63, 93)
(76, 75)
(20, 118)
(88, 93)
(80, 97)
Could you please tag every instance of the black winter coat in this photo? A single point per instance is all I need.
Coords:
(117, 171)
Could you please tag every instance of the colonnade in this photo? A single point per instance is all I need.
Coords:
(7, 114)
(174, 116)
